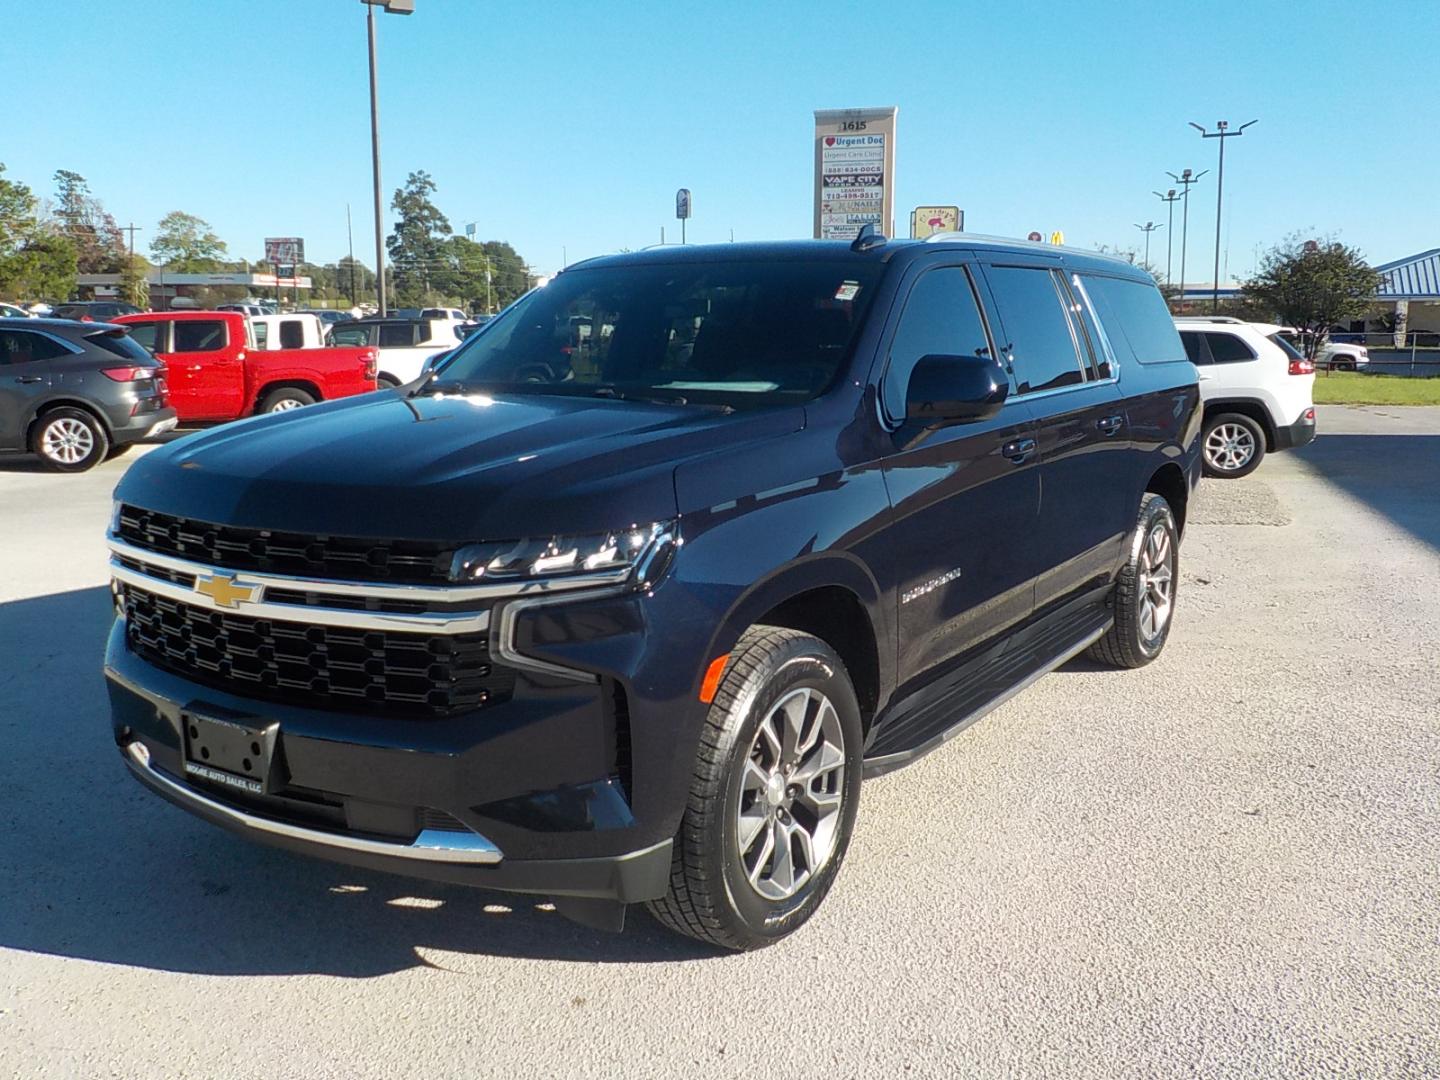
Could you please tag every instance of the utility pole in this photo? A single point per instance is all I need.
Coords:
(1147, 229)
(132, 229)
(1185, 179)
(397, 7)
(1222, 132)
(1169, 199)
(350, 236)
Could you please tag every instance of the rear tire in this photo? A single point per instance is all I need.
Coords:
(773, 797)
(285, 399)
(1144, 599)
(118, 451)
(1232, 446)
(385, 382)
(70, 440)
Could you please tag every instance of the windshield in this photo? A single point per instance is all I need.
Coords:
(717, 333)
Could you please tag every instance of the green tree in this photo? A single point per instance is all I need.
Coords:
(43, 269)
(187, 244)
(83, 219)
(134, 285)
(416, 245)
(19, 215)
(1313, 285)
(511, 277)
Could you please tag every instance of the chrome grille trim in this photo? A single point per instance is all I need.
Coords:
(157, 571)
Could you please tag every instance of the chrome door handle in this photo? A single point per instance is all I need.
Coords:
(1109, 425)
(1018, 450)
(29, 378)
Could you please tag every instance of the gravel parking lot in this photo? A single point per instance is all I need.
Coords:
(1226, 864)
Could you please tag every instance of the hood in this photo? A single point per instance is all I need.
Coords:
(451, 468)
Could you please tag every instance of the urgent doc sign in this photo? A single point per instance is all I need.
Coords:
(854, 171)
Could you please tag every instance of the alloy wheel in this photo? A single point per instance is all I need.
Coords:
(286, 404)
(1156, 581)
(67, 441)
(791, 794)
(1229, 447)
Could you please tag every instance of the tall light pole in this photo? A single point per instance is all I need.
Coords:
(1222, 132)
(1170, 199)
(1147, 229)
(1185, 179)
(395, 7)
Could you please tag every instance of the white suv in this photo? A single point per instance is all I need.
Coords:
(1256, 388)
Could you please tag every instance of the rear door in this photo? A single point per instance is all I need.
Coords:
(26, 362)
(1070, 387)
(207, 371)
(966, 497)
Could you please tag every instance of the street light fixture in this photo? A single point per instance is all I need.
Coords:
(1147, 229)
(1222, 132)
(1185, 179)
(394, 7)
(1170, 199)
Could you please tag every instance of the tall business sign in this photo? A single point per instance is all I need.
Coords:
(854, 171)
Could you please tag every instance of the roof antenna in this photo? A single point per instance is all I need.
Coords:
(868, 237)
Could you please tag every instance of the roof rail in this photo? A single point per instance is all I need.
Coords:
(1209, 319)
(1009, 241)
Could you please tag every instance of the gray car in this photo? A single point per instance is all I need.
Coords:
(77, 394)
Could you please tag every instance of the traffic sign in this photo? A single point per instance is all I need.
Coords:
(682, 203)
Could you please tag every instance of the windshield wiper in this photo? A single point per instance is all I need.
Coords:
(654, 399)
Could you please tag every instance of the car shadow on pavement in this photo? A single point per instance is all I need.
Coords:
(1393, 474)
(94, 867)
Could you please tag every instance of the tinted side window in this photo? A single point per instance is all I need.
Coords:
(1041, 345)
(941, 317)
(199, 335)
(21, 347)
(120, 344)
(396, 336)
(1195, 347)
(147, 335)
(261, 333)
(351, 335)
(1136, 319)
(292, 334)
(1229, 349)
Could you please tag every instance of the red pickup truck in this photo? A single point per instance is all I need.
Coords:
(216, 373)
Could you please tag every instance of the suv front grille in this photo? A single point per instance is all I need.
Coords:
(394, 672)
(265, 550)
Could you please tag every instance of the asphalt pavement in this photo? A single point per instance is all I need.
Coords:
(1224, 865)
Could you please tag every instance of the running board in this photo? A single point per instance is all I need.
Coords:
(936, 722)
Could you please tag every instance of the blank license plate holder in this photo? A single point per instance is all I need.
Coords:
(234, 753)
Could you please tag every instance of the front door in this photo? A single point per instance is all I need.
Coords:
(965, 497)
(207, 373)
(1086, 477)
(26, 361)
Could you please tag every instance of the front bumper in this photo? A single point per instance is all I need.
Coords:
(522, 792)
(1300, 433)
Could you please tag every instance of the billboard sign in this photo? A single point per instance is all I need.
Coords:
(682, 203)
(289, 250)
(929, 220)
(854, 171)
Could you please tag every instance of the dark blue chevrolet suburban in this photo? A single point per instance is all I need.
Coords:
(621, 601)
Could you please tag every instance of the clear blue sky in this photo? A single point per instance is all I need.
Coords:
(566, 125)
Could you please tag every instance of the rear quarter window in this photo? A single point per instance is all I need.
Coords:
(1136, 319)
(1229, 349)
(120, 343)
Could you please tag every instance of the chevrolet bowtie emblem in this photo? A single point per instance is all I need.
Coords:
(223, 589)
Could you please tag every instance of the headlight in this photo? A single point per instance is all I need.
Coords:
(115, 516)
(639, 548)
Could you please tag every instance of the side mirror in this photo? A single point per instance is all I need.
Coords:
(434, 361)
(955, 389)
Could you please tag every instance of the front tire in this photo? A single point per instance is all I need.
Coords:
(1232, 446)
(70, 440)
(1144, 600)
(773, 798)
